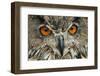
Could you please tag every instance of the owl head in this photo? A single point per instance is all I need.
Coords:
(57, 37)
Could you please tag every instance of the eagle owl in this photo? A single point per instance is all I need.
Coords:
(57, 37)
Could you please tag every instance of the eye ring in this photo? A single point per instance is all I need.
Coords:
(73, 29)
(45, 31)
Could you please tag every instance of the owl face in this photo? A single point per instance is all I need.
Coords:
(57, 37)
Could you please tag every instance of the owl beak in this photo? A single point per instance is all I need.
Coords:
(60, 46)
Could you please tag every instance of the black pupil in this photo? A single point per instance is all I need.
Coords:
(46, 29)
(71, 28)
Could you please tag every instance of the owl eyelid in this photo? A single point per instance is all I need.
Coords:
(72, 25)
(45, 26)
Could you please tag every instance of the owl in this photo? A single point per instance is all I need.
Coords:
(57, 37)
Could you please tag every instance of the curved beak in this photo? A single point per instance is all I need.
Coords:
(60, 44)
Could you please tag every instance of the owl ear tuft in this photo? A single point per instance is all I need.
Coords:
(76, 19)
(41, 18)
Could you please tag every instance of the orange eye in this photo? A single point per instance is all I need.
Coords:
(73, 29)
(45, 31)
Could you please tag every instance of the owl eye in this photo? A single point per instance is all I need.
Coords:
(73, 29)
(45, 31)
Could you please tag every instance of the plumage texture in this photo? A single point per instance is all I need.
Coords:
(68, 38)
